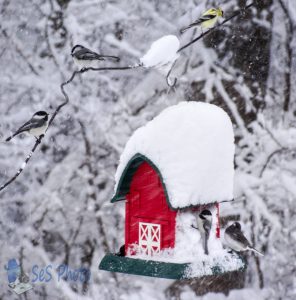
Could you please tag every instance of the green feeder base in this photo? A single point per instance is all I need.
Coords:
(136, 266)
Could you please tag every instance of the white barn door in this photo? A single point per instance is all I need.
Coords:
(149, 238)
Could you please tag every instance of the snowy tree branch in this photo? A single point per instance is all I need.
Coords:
(288, 58)
(19, 51)
(93, 195)
(256, 257)
(91, 69)
(237, 13)
(20, 170)
(271, 155)
(38, 141)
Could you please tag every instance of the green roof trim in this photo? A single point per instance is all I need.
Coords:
(159, 269)
(123, 186)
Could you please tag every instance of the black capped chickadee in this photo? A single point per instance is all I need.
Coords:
(204, 224)
(236, 240)
(85, 58)
(36, 126)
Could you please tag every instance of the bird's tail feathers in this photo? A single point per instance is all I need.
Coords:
(116, 58)
(12, 136)
(206, 238)
(206, 247)
(182, 30)
(256, 251)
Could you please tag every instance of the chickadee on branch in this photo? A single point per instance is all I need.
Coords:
(36, 126)
(86, 58)
(40, 132)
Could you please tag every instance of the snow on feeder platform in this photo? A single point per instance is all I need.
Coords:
(171, 169)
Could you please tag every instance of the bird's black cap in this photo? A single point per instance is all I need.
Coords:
(75, 47)
(236, 225)
(41, 113)
(205, 212)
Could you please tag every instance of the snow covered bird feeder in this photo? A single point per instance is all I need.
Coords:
(171, 169)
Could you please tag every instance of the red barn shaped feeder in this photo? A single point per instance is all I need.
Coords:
(175, 166)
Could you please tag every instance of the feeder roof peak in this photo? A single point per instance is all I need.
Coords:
(191, 145)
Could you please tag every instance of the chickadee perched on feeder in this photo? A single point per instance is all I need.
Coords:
(204, 224)
(36, 126)
(236, 240)
(207, 20)
(85, 58)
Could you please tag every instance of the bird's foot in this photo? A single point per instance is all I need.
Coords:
(39, 138)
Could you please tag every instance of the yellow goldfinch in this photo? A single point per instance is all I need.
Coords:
(208, 19)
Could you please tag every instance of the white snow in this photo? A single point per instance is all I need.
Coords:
(227, 263)
(162, 53)
(188, 249)
(23, 165)
(192, 144)
(188, 243)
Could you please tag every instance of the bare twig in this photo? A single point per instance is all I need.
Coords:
(92, 69)
(2, 52)
(256, 257)
(88, 153)
(225, 201)
(271, 155)
(110, 68)
(271, 134)
(237, 13)
(169, 74)
(288, 57)
(18, 50)
(20, 170)
(50, 49)
(237, 199)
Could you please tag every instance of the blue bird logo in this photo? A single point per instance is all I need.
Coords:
(13, 270)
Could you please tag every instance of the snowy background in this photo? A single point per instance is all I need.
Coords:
(58, 210)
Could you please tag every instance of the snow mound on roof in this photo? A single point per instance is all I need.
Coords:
(192, 145)
(162, 52)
